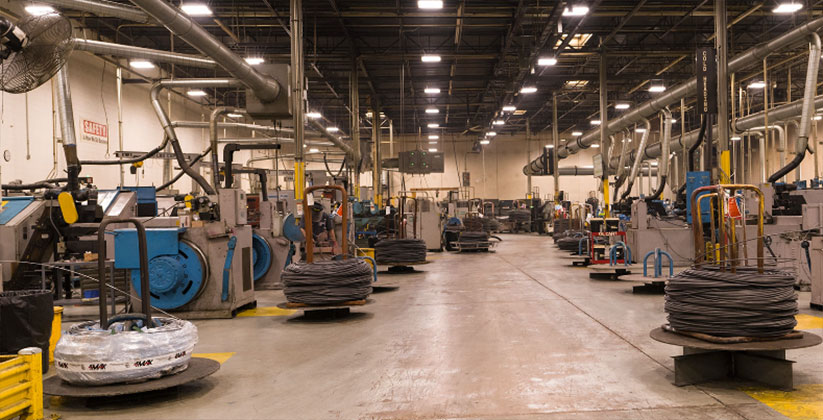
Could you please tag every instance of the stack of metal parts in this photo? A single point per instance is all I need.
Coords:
(485, 224)
(719, 303)
(328, 282)
(394, 251)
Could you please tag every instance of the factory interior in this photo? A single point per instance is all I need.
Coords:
(411, 209)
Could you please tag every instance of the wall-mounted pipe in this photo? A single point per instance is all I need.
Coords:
(264, 87)
(802, 142)
(649, 108)
(154, 94)
(103, 8)
(128, 51)
(641, 149)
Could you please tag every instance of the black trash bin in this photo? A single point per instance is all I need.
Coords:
(25, 321)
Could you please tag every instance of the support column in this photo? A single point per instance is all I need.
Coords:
(604, 135)
(296, 11)
(528, 157)
(721, 43)
(556, 143)
(354, 96)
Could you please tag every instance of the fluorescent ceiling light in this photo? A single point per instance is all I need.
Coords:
(430, 4)
(484, 142)
(141, 64)
(575, 84)
(196, 9)
(528, 89)
(39, 10)
(434, 137)
(546, 61)
(575, 11)
(550, 146)
(674, 121)
(595, 122)
(432, 111)
(657, 88)
(498, 122)
(332, 129)
(595, 146)
(196, 92)
(432, 142)
(433, 150)
(622, 105)
(785, 8)
(429, 58)
(431, 90)
(255, 60)
(639, 130)
(578, 41)
(491, 134)
(734, 138)
(313, 150)
(509, 108)
(433, 125)
(316, 115)
(757, 85)
(233, 115)
(817, 117)
(577, 133)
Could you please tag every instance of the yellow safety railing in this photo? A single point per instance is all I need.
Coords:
(21, 385)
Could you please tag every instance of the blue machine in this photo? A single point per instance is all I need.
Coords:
(12, 206)
(146, 200)
(177, 268)
(695, 180)
(261, 258)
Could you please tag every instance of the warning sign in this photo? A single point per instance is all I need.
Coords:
(94, 132)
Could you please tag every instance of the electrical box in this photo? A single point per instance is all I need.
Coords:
(421, 162)
(695, 180)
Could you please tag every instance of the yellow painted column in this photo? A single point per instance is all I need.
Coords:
(299, 180)
(725, 167)
(33, 357)
(606, 211)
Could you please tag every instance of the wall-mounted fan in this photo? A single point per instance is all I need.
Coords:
(32, 51)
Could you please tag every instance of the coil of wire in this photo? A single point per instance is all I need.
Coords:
(327, 282)
(569, 243)
(467, 236)
(743, 304)
(390, 251)
(519, 216)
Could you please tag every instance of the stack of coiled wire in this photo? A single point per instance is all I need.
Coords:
(570, 243)
(719, 303)
(393, 251)
(467, 236)
(327, 282)
(519, 216)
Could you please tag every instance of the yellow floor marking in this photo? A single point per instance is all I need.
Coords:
(804, 403)
(267, 311)
(218, 357)
(808, 322)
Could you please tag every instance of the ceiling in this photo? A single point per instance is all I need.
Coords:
(489, 51)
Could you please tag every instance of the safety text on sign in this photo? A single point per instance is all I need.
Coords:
(94, 132)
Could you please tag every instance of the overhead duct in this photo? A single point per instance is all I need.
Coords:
(663, 160)
(128, 51)
(264, 87)
(641, 148)
(337, 142)
(650, 108)
(102, 8)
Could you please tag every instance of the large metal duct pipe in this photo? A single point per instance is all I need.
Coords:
(337, 141)
(663, 159)
(621, 166)
(264, 87)
(641, 148)
(252, 127)
(649, 108)
(802, 142)
(128, 51)
(103, 8)
(589, 171)
(154, 94)
(65, 111)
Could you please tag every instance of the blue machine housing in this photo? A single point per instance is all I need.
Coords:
(695, 180)
(177, 272)
(261, 256)
(12, 206)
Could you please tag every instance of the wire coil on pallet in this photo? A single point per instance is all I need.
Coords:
(327, 282)
(392, 251)
(724, 304)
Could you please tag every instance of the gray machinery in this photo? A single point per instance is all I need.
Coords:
(647, 233)
(429, 225)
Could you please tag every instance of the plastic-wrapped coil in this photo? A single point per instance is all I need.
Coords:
(125, 352)
(724, 304)
(327, 282)
(520, 216)
(473, 236)
(389, 251)
(570, 243)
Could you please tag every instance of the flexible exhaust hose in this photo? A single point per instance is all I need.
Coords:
(140, 158)
(638, 158)
(802, 142)
(692, 150)
(621, 167)
(183, 172)
(663, 166)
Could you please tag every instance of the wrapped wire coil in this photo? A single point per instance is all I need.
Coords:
(389, 251)
(467, 236)
(327, 282)
(743, 304)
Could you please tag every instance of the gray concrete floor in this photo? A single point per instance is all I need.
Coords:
(515, 334)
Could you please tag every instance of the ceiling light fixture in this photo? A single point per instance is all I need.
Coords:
(432, 150)
(550, 146)
(433, 125)
(639, 130)
(196, 9)
(595, 146)
(491, 134)
(431, 90)
(196, 93)
(484, 142)
(575, 11)
(40, 10)
(332, 129)
(234, 115)
(434, 137)
(734, 138)
(528, 89)
(657, 86)
(315, 115)
(817, 117)
(577, 133)
(757, 85)
(595, 122)
(546, 61)
(786, 8)
(430, 58)
(432, 111)
(255, 60)
(141, 64)
(430, 4)
(509, 108)
(622, 105)
(498, 122)
(313, 150)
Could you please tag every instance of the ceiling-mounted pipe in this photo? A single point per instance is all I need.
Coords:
(264, 87)
(649, 108)
(621, 166)
(154, 94)
(762, 150)
(102, 8)
(663, 160)
(337, 142)
(128, 51)
(65, 112)
(802, 142)
(253, 127)
(641, 149)
(215, 114)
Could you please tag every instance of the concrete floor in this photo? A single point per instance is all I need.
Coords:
(517, 334)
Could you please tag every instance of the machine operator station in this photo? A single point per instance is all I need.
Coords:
(411, 209)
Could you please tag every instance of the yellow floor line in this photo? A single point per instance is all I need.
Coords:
(804, 403)
(219, 357)
(808, 322)
(266, 311)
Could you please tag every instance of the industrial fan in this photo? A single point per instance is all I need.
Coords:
(33, 51)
